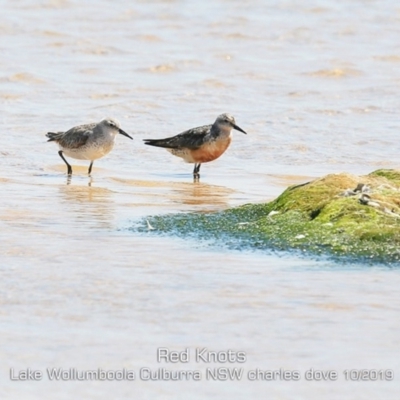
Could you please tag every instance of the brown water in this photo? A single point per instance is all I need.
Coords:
(316, 87)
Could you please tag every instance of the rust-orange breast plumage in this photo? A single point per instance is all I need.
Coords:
(210, 151)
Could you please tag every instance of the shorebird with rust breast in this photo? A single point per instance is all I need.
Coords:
(87, 142)
(202, 144)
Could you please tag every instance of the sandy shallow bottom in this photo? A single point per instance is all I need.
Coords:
(317, 92)
(80, 290)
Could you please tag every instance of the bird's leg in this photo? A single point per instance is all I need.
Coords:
(60, 153)
(196, 175)
(90, 167)
(196, 169)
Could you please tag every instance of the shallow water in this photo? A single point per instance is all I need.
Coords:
(316, 87)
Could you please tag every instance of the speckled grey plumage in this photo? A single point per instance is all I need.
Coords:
(194, 138)
(87, 142)
(210, 140)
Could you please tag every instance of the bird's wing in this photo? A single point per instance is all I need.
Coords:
(190, 139)
(76, 136)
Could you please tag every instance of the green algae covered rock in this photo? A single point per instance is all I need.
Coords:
(343, 215)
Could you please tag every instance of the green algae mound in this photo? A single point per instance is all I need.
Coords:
(341, 215)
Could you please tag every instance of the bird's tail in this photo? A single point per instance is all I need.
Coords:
(158, 143)
(53, 136)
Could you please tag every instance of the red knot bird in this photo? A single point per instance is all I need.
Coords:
(202, 144)
(87, 142)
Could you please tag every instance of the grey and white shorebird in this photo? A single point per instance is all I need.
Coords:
(87, 142)
(200, 145)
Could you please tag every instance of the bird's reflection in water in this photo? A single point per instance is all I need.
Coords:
(198, 193)
(69, 180)
(169, 194)
(88, 204)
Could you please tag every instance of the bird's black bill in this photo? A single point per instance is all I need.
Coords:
(239, 129)
(124, 133)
